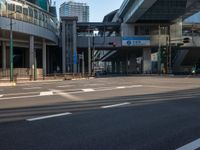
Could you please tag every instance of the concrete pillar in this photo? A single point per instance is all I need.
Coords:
(74, 47)
(63, 47)
(31, 55)
(147, 66)
(132, 64)
(44, 57)
(113, 67)
(89, 57)
(4, 56)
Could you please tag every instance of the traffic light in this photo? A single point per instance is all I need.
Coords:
(186, 40)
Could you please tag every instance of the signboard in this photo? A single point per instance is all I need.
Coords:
(136, 41)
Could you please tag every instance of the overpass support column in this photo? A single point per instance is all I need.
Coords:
(63, 47)
(44, 57)
(3, 56)
(74, 48)
(147, 66)
(32, 58)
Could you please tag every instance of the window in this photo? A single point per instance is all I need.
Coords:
(25, 11)
(11, 7)
(30, 12)
(35, 14)
(18, 9)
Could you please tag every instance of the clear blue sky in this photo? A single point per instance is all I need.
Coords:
(98, 8)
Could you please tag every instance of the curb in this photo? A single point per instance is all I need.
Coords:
(6, 84)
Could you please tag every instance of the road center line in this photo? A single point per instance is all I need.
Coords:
(121, 87)
(115, 105)
(46, 93)
(191, 146)
(88, 90)
(1, 95)
(64, 86)
(32, 88)
(50, 116)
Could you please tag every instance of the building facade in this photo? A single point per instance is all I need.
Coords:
(73, 9)
(28, 30)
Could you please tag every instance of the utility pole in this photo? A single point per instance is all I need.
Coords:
(89, 53)
(159, 52)
(11, 49)
(170, 53)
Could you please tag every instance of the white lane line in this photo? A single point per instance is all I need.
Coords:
(191, 146)
(19, 97)
(65, 86)
(116, 105)
(50, 116)
(88, 90)
(1, 95)
(32, 88)
(48, 93)
(134, 86)
(121, 87)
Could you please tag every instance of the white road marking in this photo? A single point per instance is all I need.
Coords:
(103, 89)
(66, 95)
(20, 97)
(32, 88)
(191, 146)
(88, 90)
(48, 93)
(115, 105)
(121, 87)
(135, 86)
(1, 95)
(50, 116)
(64, 86)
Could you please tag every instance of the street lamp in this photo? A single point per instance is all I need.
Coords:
(11, 48)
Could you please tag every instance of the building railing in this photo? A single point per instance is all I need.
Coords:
(27, 12)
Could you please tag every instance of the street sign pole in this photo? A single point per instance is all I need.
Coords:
(11, 50)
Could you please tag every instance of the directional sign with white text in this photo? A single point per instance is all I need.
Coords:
(135, 41)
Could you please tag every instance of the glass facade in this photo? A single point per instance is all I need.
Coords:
(41, 3)
(81, 10)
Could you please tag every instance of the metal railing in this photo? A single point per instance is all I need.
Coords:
(28, 12)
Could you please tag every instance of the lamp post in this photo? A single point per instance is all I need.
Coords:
(89, 53)
(11, 49)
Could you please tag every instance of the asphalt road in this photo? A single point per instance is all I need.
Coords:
(134, 113)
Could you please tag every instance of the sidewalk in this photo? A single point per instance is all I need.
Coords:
(5, 82)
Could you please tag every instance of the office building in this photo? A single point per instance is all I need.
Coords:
(74, 9)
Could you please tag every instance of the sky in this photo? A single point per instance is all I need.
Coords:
(98, 8)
